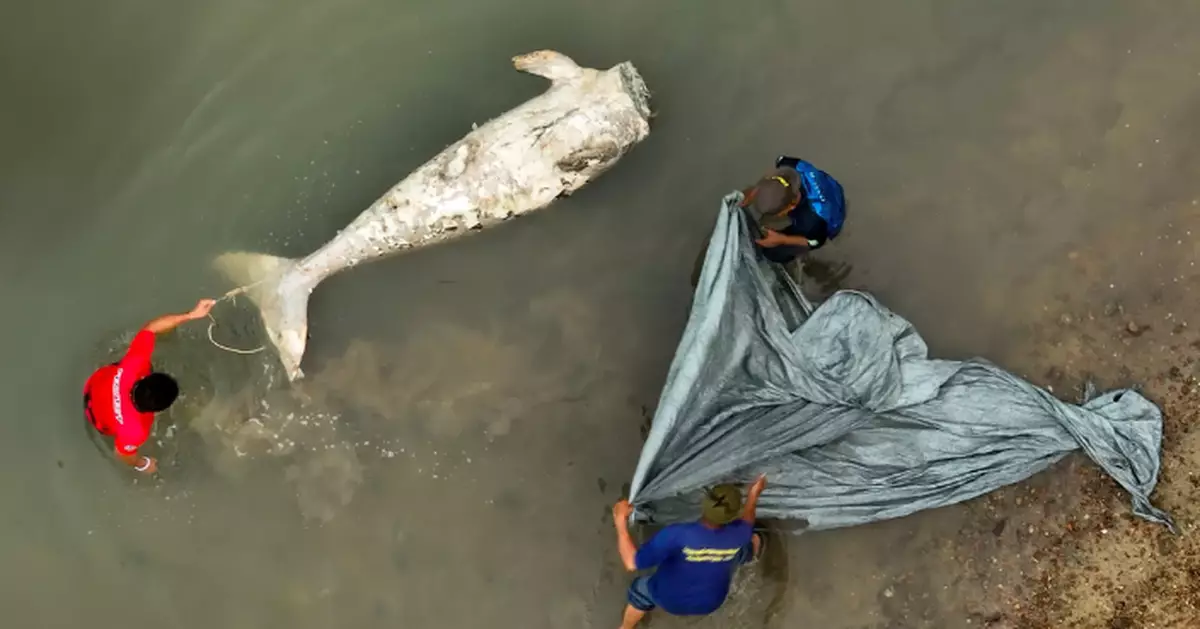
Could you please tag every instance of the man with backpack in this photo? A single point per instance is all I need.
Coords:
(795, 208)
(798, 207)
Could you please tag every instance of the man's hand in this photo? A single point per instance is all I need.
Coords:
(621, 511)
(759, 485)
(772, 239)
(203, 307)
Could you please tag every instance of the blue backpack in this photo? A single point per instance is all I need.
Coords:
(823, 191)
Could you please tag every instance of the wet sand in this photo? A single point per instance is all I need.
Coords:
(474, 409)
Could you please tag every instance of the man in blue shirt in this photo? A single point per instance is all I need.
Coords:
(696, 560)
(795, 209)
(798, 208)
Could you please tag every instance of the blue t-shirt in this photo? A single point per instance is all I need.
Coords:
(695, 565)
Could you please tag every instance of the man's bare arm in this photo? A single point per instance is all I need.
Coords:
(625, 545)
(750, 511)
(772, 238)
(166, 323)
(795, 241)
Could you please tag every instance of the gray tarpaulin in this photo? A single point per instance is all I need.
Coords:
(847, 414)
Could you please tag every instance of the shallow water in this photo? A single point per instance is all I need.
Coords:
(472, 410)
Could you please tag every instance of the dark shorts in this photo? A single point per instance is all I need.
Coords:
(641, 599)
(782, 254)
(639, 596)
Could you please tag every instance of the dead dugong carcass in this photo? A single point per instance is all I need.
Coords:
(547, 147)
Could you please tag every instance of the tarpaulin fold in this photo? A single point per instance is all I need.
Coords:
(841, 405)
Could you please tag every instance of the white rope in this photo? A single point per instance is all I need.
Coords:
(212, 322)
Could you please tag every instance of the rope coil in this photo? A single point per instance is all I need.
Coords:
(212, 322)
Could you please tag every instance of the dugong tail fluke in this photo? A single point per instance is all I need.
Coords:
(281, 295)
(545, 148)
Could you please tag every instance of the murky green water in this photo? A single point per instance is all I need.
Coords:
(472, 410)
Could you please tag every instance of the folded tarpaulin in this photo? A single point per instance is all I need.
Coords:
(844, 410)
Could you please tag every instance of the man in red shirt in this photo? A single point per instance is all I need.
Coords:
(120, 399)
